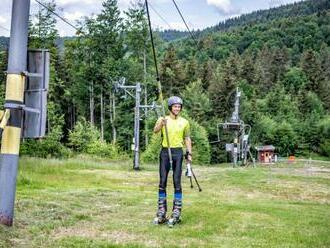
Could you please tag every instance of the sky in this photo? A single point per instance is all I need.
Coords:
(199, 14)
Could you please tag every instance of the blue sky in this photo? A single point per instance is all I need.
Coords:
(198, 13)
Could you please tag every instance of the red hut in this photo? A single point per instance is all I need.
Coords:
(266, 154)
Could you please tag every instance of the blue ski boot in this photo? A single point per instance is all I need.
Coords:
(176, 214)
(161, 213)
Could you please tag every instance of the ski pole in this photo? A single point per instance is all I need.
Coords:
(199, 187)
(190, 173)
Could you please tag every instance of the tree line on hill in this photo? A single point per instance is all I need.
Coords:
(281, 65)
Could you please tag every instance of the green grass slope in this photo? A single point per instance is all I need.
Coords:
(93, 203)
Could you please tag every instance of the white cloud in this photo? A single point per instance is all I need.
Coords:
(224, 6)
(65, 2)
(3, 19)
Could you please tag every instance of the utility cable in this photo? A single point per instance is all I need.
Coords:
(162, 18)
(4, 28)
(159, 85)
(185, 23)
(62, 18)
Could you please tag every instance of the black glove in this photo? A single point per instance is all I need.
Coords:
(187, 154)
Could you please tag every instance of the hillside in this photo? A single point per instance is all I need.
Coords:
(282, 66)
(301, 8)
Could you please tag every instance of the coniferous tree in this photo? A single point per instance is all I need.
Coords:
(279, 64)
(294, 80)
(77, 78)
(325, 78)
(310, 64)
(197, 102)
(263, 71)
(191, 71)
(107, 52)
(172, 73)
(206, 73)
(138, 55)
(223, 86)
(248, 71)
(136, 35)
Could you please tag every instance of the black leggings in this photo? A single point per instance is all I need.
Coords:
(164, 168)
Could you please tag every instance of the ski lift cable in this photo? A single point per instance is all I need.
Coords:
(159, 15)
(62, 18)
(185, 23)
(4, 28)
(152, 43)
(159, 84)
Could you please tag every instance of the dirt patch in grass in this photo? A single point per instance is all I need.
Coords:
(94, 232)
(305, 171)
(299, 191)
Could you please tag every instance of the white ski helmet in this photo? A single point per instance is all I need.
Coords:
(174, 100)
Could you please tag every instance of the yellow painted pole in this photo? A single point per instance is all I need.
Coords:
(12, 118)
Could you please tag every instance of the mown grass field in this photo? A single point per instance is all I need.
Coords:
(86, 202)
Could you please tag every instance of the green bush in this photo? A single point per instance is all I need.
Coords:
(50, 146)
(280, 134)
(83, 135)
(325, 147)
(294, 79)
(151, 154)
(324, 135)
(201, 146)
(285, 138)
(263, 131)
(102, 149)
